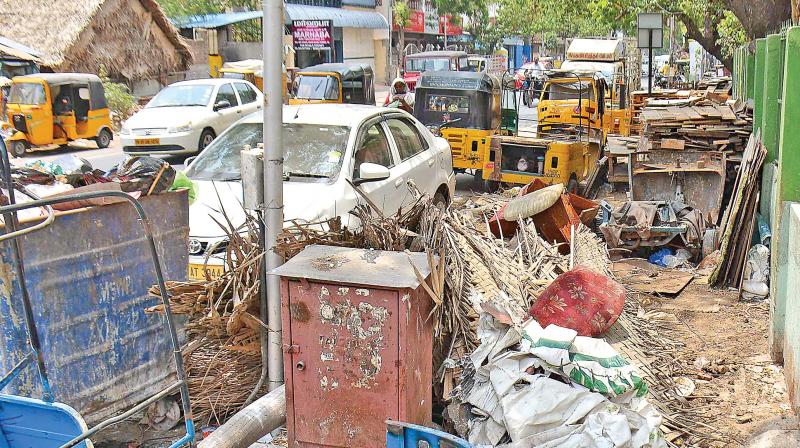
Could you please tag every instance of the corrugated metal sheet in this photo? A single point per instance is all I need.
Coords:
(215, 20)
(88, 276)
(343, 18)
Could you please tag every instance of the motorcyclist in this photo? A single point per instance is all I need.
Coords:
(399, 96)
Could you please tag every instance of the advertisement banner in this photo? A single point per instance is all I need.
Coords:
(449, 26)
(416, 23)
(312, 34)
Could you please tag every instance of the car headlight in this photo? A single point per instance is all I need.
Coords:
(183, 128)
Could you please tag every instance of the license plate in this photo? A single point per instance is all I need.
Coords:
(198, 271)
(147, 141)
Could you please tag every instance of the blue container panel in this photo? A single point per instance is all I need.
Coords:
(88, 276)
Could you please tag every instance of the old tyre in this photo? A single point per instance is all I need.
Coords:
(104, 138)
(18, 147)
(206, 138)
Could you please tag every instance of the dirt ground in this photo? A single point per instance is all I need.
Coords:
(725, 359)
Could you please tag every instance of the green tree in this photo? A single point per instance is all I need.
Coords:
(401, 15)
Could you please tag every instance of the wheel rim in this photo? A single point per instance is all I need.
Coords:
(104, 140)
(207, 139)
(18, 148)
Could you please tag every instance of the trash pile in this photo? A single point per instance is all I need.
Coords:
(527, 386)
(138, 176)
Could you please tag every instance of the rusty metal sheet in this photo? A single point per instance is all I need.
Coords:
(699, 174)
(645, 277)
(362, 266)
(343, 364)
(88, 274)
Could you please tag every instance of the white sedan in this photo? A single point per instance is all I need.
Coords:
(187, 116)
(325, 146)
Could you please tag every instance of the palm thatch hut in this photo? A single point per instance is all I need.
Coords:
(131, 39)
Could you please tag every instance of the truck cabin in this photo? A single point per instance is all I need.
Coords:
(433, 61)
(604, 58)
(572, 99)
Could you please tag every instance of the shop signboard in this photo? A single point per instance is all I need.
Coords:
(312, 34)
(449, 27)
(416, 23)
(431, 21)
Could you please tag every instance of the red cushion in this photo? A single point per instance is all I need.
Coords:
(582, 300)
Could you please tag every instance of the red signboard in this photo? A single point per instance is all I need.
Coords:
(416, 22)
(450, 28)
(312, 34)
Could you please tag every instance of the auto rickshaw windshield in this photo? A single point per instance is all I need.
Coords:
(27, 93)
(310, 87)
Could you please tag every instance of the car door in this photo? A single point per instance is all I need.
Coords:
(247, 97)
(228, 115)
(373, 146)
(417, 160)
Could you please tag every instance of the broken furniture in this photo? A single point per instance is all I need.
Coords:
(358, 344)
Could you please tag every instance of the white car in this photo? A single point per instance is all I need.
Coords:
(187, 116)
(325, 146)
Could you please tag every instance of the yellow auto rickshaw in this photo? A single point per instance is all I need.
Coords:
(57, 108)
(335, 83)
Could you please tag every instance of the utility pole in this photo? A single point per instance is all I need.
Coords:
(272, 33)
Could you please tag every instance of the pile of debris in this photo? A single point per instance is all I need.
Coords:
(700, 124)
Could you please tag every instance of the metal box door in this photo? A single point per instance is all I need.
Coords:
(344, 367)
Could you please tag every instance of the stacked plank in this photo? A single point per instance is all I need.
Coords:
(698, 124)
(739, 220)
(717, 89)
(641, 100)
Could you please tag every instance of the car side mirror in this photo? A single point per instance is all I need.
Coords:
(224, 104)
(371, 172)
(189, 161)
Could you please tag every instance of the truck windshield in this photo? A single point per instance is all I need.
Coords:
(311, 151)
(317, 88)
(427, 65)
(559, 91)
(26, 93)
(182, 95)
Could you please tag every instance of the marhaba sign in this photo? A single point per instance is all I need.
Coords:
(312, 34)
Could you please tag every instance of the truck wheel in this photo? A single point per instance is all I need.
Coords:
(104, 138)
(18, 147)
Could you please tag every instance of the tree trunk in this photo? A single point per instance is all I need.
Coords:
(707, 36)
(795, 11)
(762, 17)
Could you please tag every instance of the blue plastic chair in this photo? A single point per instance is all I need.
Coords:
(30, 422)
(406, 435)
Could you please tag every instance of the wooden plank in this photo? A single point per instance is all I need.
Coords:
(672, 143)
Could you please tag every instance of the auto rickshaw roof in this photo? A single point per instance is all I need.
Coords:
(346, 71)
(452, 80)
(57, 79)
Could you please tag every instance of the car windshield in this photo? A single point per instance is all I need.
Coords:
(26, 93)
(317, 88)
(311, 151)
(182, 95)
(427, 65)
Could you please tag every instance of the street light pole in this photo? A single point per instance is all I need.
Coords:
(272, 34)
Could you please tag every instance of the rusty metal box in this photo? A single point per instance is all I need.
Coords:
(357, 345)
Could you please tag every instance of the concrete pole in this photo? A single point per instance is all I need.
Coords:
(260, 418)
(272, 33)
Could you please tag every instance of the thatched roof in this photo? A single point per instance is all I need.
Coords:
(131, 38)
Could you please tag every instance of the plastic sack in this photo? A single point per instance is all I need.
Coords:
(659, 256)
(183, 182)
(756, 273)
(144, 174)
(533, 203)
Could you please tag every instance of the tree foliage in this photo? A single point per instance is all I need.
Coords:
(177, 8)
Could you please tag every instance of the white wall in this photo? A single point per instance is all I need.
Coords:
(358, 45)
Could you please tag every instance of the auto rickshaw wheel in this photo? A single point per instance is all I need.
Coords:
(104, 138)
(491, 186)
(572, 185)
(19, 147)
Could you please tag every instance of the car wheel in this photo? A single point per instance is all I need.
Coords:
(104, 138)
(439, 200)
(206, 138)
(18, 147)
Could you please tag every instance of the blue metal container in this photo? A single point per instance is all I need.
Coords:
(88, 274)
